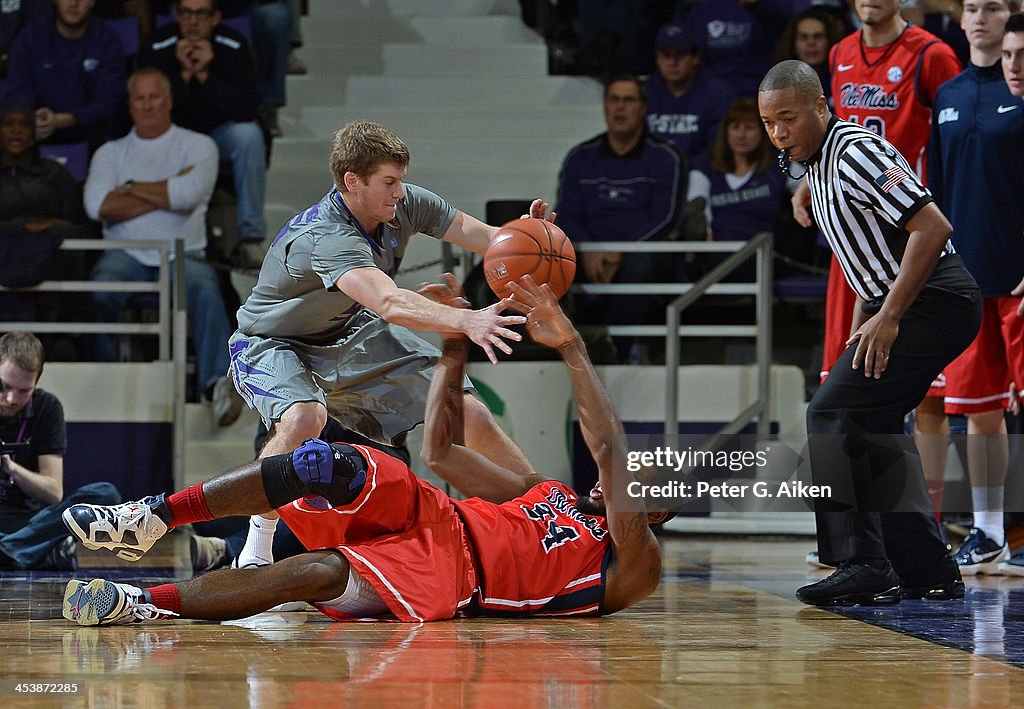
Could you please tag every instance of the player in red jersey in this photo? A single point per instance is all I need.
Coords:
(388, 545)
(884, 76)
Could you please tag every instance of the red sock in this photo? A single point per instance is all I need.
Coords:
(165, 597)
(935, 491)
(188, 506)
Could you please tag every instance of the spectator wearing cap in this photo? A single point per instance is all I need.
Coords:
(71, 67)
(685, 104)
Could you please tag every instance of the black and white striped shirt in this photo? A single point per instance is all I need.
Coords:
(863, 193)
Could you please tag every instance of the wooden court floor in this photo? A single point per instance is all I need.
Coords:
(722, 631)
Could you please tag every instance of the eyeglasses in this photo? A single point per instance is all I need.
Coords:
(187, 14)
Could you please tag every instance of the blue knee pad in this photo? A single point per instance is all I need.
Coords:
(313, 462)
(335, 472)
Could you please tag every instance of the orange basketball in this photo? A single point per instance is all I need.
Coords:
(530, 246)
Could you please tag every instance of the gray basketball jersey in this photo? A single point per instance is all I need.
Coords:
(296, 296)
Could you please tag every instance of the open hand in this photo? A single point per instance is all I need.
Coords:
(488, 328)
(545, 320)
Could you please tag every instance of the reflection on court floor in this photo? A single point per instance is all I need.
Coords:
(723, 630)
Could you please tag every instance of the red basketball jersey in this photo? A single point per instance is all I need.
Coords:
(536, 554)
(432, 558)
(889, 89)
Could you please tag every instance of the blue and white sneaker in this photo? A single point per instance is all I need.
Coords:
(980, 555)
(128, 530)
(101, 602)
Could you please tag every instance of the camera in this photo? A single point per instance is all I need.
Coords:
(14, 448)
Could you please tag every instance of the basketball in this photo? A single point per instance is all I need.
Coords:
(530, 246)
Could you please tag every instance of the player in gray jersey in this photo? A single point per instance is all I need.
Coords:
(326, 331)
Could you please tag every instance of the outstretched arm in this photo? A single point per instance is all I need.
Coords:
(444, 449)
(636, 569)
(487, 327)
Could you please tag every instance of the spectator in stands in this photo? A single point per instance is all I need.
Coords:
(623, 185)
(271, 23)
(738, 38)
(14, 15)
(71, 68)
(685, 104)
(32, 534)
(809, 37)
(745, 192)
(40, 205)
(154, 184)
(213, 81)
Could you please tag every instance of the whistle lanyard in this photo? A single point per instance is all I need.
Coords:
(21, 433)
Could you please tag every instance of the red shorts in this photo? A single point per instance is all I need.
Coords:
(979, 379)
(402, 535)
(840, 301)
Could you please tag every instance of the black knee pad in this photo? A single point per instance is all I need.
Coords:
(336, 472)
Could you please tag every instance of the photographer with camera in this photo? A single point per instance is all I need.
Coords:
(33, 437)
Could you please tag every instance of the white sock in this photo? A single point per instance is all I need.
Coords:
(988, 511)
(259, 545)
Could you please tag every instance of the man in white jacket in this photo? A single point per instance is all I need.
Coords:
(154, 184)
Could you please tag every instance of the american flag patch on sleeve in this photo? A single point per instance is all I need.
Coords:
(891, 177)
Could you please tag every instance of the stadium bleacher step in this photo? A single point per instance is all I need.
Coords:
(570, 124)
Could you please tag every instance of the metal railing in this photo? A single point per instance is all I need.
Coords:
(760, 248)
(171, 327)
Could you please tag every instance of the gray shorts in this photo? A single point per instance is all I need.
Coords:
(374, 380)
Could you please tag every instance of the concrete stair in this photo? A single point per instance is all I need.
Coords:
(210, 451)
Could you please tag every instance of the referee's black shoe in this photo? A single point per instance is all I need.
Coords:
(867, 582)
(941, 583)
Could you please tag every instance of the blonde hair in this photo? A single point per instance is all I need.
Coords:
(361, 147)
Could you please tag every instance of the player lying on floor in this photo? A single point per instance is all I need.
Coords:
(387, 544)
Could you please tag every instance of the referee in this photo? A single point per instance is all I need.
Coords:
(919, 309)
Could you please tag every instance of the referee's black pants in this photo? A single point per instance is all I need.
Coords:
(856, 439)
